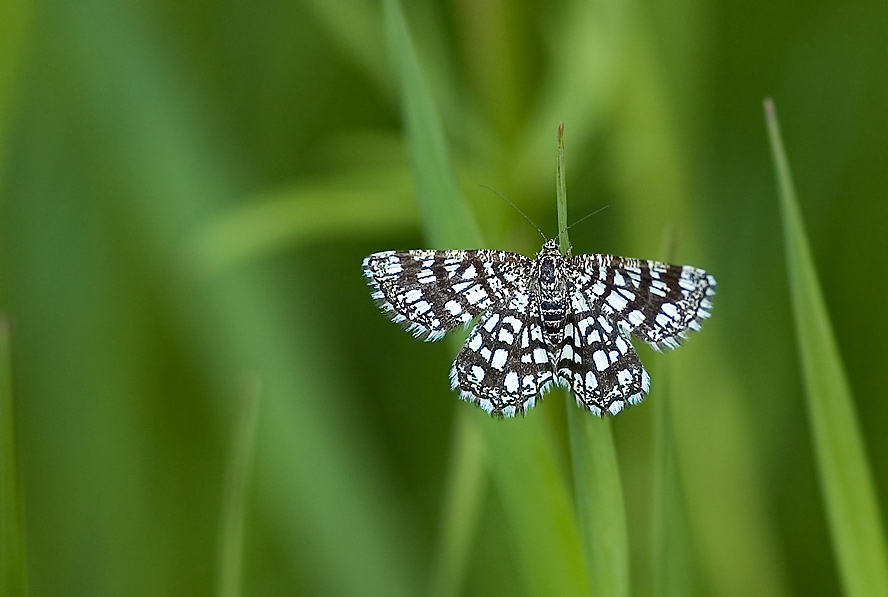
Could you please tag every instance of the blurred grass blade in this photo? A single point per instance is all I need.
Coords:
(447, 218)
(852, 511)
(12, 535)
(240, 458)
(594, 39)
(599, 496)
(671, 571)
(530, 485)
(465, 493)
(15, 19)
(597, 487)
(355, 26)
(354, 204)
(542, 518)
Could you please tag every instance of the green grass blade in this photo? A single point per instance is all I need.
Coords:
(538, 505)
(852, 510)
(15, 18)
(354, 204)
(600, 507)
(592, 40)
(442, 212)
(671, 568)
(231, 543)
(465, 494)
(522, 462)
(561, 194)
(12, 535)
(355, 26)
(597, 487)
(446, 216)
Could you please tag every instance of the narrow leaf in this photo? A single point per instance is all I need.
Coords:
(353, 204)
(12, 535)
(597, 487)
(671, 569)
(230, 563)
(845, 478)
(462, 507)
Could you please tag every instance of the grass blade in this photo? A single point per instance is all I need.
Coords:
(352, 205)
(671, 569)
(15, 21)
(600, 507)
(670, 542)
(597, 487)
(442, 211)
(522, 462)
(464, 491)
(445, 215)
(12, 534)
(845, 478)
(542, 517)
(230, 564)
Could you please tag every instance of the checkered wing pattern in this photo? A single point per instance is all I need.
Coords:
(599, 364)
(656, 302)
(431, 292)
(504, 365)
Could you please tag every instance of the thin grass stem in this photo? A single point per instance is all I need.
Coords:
(597, 487)
(846, 481)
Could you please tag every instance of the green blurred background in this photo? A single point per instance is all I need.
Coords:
(187, 190)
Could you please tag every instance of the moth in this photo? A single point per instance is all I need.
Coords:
(543, 321)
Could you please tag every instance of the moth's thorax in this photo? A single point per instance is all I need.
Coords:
(550, 274)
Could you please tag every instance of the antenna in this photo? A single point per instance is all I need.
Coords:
(588, 216)
(501, 196)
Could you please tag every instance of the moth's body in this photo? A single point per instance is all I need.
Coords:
(543, 321)
(551, 289)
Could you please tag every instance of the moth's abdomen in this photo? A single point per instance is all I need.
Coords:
(553, 313)
(552, 296)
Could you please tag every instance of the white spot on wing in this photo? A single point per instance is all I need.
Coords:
(499, 359)
(600, 360)
(511, 382)
(616, 301)
(453, 307)
(624, 377)
(474, 342)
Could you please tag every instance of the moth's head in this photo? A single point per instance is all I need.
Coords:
(550, 247)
